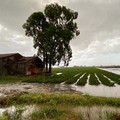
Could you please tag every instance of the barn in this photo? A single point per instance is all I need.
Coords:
(16, 64)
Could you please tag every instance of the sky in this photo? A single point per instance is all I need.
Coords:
(98, 22)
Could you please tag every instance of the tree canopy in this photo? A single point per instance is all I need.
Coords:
(52, 31)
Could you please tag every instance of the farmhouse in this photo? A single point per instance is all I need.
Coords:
(15, 63)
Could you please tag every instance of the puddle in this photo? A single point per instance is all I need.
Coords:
(26, 110)
(88, 77)
(86, 112)
(96, 112)
(64, 88)
(1, 94)
(113, 70)
(7, 89)
(63, 83)
(98, 78)
(79, 78)
(76, 75)
(100, 90)
(108, 79)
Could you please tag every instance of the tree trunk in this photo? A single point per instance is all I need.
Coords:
(50, 64)
(50, 67)
(46, 63)
(46, 68)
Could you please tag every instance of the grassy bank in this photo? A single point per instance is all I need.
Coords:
(62, 107)
(73, 99)
(60, 112)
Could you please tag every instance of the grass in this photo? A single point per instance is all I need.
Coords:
(10, 79)
(58, 112)
(69, 75)
(44, 98)
(53, 112)
(62, 107)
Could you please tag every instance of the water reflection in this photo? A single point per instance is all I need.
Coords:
(100, 90)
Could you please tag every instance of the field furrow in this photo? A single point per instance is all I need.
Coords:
(109, 79)
(104, 80)
(98, 78)
(112, 76)
(74, 78)
(93, 80)
(83, 80)
(79, 78)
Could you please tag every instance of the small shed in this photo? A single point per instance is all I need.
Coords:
(29, 65)
(15, 63)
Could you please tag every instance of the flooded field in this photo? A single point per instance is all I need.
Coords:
(100, 90)
(113, 70)
(90, 81)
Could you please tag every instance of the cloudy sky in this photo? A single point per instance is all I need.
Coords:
(98, 21)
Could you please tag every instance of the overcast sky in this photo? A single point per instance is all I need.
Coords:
(98, 22)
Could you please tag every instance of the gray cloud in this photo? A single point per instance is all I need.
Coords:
(98, 21)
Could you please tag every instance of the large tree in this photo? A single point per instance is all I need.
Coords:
(52, 31)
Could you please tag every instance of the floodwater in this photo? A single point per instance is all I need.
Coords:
(96, 112)
(87, 112)
(113, 70)
(7, 89)
(100, 90)
(27, 110)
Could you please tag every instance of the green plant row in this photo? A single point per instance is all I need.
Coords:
(112, 76)
(83, 80)
(104, 80)
(93, 80)
(73, 79)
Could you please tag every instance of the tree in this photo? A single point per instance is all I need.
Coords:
(52, 31)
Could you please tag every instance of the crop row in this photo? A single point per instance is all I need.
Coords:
(96, 77)
(112, 76)
(83, 80)
(93, 80)
(78, 75)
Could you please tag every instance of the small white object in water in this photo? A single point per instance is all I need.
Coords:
(59, 73)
